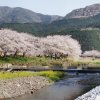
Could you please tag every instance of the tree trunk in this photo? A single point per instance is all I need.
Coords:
(24, 53)
(16, 53)
(5, 54)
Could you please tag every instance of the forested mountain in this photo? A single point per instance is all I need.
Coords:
(21, 15)
(56, 26)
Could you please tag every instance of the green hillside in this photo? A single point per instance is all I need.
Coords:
(55, 26)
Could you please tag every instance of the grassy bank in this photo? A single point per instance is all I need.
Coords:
(47, 61)
(53, 76)
(36, 61)
(88, 62)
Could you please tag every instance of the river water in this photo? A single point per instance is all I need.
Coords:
(67, 89)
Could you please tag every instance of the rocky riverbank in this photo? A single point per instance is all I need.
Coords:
(19, 86)
(91, 95)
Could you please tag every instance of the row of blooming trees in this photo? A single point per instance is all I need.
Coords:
(14, 43)
(91, 53)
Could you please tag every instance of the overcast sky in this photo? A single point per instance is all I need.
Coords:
(51, 7)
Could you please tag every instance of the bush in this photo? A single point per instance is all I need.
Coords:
(53, 76)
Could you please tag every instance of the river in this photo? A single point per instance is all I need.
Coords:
(67, 89)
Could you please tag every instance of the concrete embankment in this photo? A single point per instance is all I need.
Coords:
(91, 95)
(19, 86)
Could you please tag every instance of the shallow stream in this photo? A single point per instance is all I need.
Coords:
(67, 89)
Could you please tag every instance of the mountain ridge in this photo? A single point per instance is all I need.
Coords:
(87, 11)
(22, 15)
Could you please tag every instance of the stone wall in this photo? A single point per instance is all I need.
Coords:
(91, 95)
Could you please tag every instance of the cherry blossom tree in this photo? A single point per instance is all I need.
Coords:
(11, 42)
(91, 53)
(61, 45)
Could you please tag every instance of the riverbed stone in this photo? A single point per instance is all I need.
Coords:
(19, 86)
